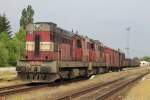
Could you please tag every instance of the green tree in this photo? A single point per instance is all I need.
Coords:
(3, 55)
(27, 16)
(20, 36)
(12, 48)
(23, 20)
(30, 14)
(146, 58)
(4, 38)
(4, 24)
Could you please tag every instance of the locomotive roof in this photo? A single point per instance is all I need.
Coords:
(45, 23)
(98, 42)
(65, 33)
(117, 50)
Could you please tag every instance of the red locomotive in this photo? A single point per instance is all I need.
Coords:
(54, 53)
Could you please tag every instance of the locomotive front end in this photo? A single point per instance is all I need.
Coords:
(40, 63)
(37, 71)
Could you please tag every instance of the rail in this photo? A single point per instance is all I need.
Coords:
(101, 92)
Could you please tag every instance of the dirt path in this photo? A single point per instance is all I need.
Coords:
(140, 91)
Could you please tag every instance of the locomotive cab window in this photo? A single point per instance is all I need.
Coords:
(37, 44)
(79, 43)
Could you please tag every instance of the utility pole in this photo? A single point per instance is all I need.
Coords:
(128, 41)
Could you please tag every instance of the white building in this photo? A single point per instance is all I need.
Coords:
(144, 63)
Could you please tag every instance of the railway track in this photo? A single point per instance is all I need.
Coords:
(4, 91)
(118, 86)
(98, 92)
(101, 92)
(20, 88)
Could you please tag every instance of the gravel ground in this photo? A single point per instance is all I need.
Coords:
(12, 69)
(8, 73)
(57, 91)
(140, 91)
(8, 76)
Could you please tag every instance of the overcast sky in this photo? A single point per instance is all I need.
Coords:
(104, 20)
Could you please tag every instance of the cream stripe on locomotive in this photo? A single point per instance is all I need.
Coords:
(30, 46)
(44, 46)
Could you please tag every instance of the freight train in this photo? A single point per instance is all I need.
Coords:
(53, 53)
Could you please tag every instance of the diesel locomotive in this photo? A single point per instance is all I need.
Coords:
(54, 53)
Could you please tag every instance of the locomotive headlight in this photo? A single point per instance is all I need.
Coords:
(27, 65)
